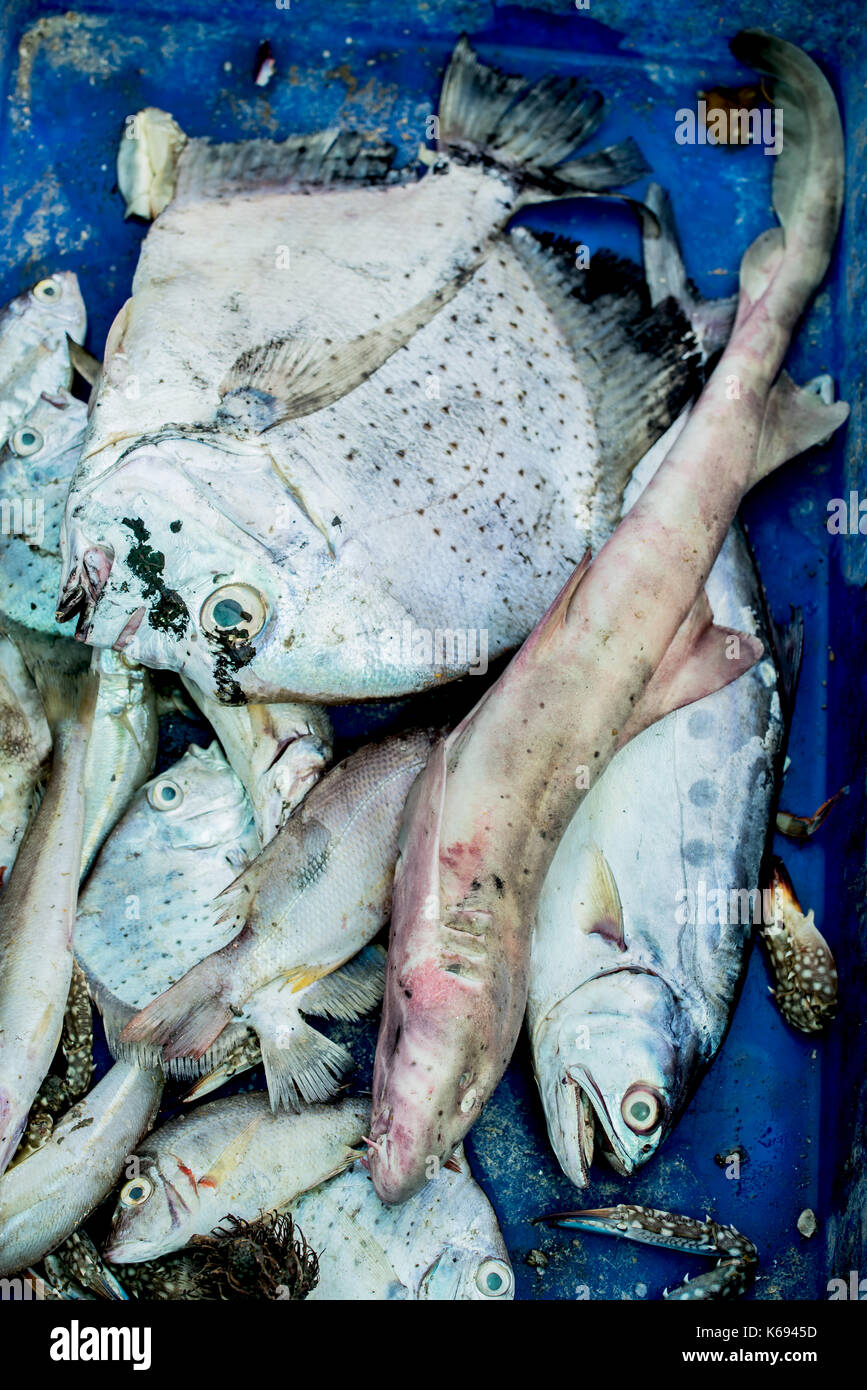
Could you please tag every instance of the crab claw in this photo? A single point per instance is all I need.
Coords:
(83, 587)
(738, 1258)
(800, 960)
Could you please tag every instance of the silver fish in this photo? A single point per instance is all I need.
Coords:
(278, 751)
(633, 977)
(629, 638)
(229, 1157)
(37, 908)
(443, 1244)
(123, 747)
(145, 913)
(316, 896)
(34, 353)
(36, 467)
(25, 744)
(278, 503)
(47, 1196)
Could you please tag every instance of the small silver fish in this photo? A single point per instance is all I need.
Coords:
(37, 907)
(228, 1157)
(34, 354)
(25, 745)
(46, 1197)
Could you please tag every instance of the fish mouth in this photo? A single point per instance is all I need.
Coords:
(610, 1144)
(128, 1252)
(83, 588)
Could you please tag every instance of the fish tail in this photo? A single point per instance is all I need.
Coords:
(187, 1018)
(301, 1064)
(809, 171)
(62, 675)
(529, 128)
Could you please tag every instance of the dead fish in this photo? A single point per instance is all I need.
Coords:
(276, 501)
(37, 908)
(47, 1196)
(123, 747)
(36, 466)
(34, 354)
(278, 751)
(629, 638)
(316, 896)
(25, 745)
(231, 1156)
(443, 1244)
(145, 913)
(646, 914)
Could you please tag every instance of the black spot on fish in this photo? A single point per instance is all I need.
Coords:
(175, 526)
(168, 613)
(698, 852)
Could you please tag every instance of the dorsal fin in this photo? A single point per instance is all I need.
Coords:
(702, 658)
(598, 910)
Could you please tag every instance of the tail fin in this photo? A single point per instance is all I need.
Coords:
(301, 1064)
(187, 1019)
(796, 418)
(61, 674)
(711, 319)
(809, 170)
(529, 128)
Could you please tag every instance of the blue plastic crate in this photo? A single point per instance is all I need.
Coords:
(68, 80)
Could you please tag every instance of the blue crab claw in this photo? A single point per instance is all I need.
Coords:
(737, 1254)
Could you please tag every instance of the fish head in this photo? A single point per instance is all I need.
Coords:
(52, 308)
(610, 1071)
(196, 804)
(153, 1210)
(472, 1263)
(468, 1275)
(446, 1020)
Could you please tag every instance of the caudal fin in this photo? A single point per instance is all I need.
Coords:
(809, 173)
(187, 1019)
(529, 128)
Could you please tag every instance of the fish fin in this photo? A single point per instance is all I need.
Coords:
(301, 1064)
(350, 991)
(244, 1054)
(87, 366)
(116, 1015)
(230, 1156)
(526, 127)
(330, 158)
(800, 960)
(796, 418)
(291, 377)
(640, 365)
(809, 169)
(600, 910)
(556, 616)
(711, 319)
(61, 673)
(187, 1018)
(702, 658)
(608, 168)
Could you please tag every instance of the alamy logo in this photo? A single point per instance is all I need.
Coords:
(77, 1343)
(23, 518)
(22, 1289)
(855, 1288)
(725, 126)
(462, 649)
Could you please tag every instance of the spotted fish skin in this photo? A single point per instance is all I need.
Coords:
(34, 355)
(349, 497)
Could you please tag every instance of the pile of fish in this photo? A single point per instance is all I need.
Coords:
(263, 512)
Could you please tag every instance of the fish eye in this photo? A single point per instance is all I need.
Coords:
(165, 795)
(235, 611)
(494, 1279)
(47, 291)
(642, 1109)
(26, 441)
(136, 1191)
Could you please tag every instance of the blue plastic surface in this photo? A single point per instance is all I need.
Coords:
(68, 80)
